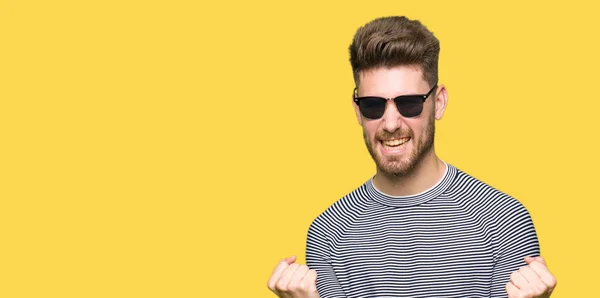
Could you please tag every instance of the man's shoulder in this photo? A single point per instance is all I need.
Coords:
(474, 191)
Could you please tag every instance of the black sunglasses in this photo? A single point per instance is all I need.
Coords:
(373, 107)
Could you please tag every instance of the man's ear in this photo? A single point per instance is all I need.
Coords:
(441, 101)
(356, 109)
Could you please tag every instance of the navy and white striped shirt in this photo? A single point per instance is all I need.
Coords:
(460, 238)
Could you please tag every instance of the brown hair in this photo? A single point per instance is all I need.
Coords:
(395, 41)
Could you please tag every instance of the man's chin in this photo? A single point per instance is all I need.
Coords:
(394, 168)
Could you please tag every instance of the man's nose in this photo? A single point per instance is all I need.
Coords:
(392, 120)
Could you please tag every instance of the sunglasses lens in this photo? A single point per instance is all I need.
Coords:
(372, 107)
(410, 106)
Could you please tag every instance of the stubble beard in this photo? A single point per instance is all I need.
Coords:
(399, 166)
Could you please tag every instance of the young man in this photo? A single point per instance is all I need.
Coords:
(420, 227)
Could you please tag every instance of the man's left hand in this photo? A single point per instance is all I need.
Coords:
(533, 280)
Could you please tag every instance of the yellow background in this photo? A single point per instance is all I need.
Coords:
(182, 148)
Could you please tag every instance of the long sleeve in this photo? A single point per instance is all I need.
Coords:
(317, 258)
(516, 239)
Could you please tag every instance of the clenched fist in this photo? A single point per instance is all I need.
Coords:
(291, 280)
(533, 280)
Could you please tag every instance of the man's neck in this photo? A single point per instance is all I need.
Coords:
(427, 173)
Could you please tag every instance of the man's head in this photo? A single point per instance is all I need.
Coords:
(393, 57)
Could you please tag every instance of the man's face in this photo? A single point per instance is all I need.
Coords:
(397, 143)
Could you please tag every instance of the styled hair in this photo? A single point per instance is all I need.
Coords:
(395, 41)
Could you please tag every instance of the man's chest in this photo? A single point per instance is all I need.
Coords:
(444, 253)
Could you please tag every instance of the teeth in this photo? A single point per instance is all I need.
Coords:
(395, 142)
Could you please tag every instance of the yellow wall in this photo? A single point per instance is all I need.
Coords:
(178, 149)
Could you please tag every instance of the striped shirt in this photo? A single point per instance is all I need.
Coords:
(460, 238)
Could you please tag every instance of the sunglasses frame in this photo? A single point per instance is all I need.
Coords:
(395, 99)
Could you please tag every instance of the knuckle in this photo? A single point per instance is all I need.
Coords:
(540, 289)
(281, 286)
(293, 287)
(303, 287)
(529, 292)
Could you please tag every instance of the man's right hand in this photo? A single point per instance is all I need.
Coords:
(291, 280)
